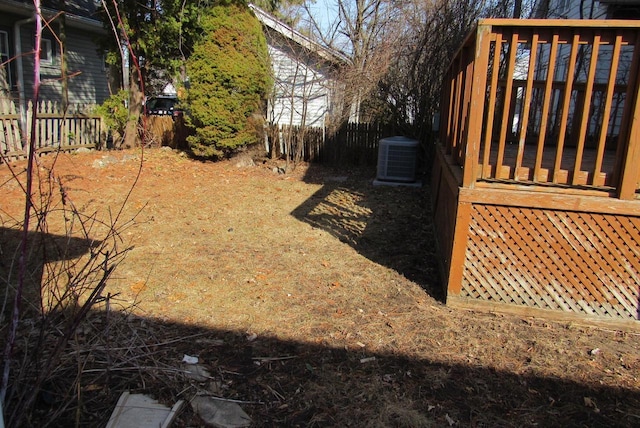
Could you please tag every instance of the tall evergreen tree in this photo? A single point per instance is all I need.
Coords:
(229, 76)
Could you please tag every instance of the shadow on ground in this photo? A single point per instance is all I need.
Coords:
(281, 383)
(42, 248)
(390, 225)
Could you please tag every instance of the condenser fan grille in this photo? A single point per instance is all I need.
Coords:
(397, 159)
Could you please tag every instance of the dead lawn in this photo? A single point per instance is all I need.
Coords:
(313, 298)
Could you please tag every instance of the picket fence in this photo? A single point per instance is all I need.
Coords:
(55, 129)
(58, 130)
(353, 144)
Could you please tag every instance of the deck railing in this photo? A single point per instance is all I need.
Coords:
(546, 102)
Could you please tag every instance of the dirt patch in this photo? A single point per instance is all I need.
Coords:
(313, 298)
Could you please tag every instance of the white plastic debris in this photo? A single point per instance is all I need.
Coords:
(450, 420)
(189, 359)
(197, 372)
(220, 413)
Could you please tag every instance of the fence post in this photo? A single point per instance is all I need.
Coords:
(26, 141)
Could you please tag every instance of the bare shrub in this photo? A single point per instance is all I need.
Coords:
(57, 262)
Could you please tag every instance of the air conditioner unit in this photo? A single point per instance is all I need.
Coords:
(397, 158)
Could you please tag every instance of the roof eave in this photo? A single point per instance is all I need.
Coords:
(299, 38)
(74, 21)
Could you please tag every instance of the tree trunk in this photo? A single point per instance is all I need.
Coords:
(131, 135)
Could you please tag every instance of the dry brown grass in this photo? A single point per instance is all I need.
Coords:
(313, 296)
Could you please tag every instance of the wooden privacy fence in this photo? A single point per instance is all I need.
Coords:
(546, 103)
(352, 144)
(55, 129)
(166, 130)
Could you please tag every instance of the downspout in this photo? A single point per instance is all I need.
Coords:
(17, 44)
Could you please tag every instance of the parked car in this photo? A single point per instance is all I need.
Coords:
(163, 105)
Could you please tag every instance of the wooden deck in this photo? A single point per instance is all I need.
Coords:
(530, 250)
(533, 218)
(550, 155)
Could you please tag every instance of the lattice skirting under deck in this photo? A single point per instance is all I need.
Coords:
(578, 262)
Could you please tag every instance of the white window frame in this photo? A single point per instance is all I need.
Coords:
(5, 55)
(46, 51)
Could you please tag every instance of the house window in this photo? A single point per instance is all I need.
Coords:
(46, 53)
(621, 11)
(4, 59)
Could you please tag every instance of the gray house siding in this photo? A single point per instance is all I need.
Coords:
(589, 9)
(87, 81)
(575, 9)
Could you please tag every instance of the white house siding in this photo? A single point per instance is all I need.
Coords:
(304, 75)
(301, 85)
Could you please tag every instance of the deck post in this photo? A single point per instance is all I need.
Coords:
(477, 102)
(459, 248)
(629, 174)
